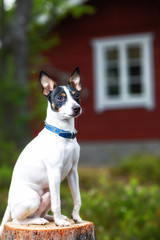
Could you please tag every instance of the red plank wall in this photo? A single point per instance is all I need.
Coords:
(112, 18)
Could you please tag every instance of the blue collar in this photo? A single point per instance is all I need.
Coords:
(60, 132)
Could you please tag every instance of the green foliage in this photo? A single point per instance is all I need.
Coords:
(38, 110)
(3, 198)
(48, 14)
(8, 153)
(145, 167)
(5, 177)
(121, 212)
(78, 10)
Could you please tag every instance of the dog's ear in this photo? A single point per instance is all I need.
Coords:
(74, 80)
(47, 83)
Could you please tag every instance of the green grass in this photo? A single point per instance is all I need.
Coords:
(122, 201)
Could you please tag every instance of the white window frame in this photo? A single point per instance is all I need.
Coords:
(146, 100)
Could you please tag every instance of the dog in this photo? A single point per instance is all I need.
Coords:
(48, 159)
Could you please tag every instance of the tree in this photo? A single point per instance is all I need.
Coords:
(23, 30)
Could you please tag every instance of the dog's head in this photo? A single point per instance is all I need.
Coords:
(63, 99)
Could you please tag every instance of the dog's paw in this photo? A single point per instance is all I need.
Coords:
(64, 217)
(76, 218)
(36, 221)
(61, 221)
(42, 221)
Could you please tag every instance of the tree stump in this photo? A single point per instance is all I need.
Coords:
(81, 231)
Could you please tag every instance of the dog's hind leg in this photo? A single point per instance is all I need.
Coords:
(44, 207)
(23, 211)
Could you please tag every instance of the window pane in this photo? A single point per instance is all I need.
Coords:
(113, 87)
(113, 90)
(112, 72)
(135, 88)
(112, 54)
(134, 71)
(134, 52)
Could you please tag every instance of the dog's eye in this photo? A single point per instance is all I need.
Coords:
(60, 98)
(77, 95)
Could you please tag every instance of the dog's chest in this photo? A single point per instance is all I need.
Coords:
(63, 154)
(70, 154)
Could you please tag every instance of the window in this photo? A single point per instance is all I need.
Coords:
(123, 70)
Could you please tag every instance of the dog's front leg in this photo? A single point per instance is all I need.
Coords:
(73, 182)
(54, 185)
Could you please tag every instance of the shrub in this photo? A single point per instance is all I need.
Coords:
(8, 152)
(5, 177)
(145, 167)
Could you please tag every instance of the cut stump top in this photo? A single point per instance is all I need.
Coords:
(49, 231)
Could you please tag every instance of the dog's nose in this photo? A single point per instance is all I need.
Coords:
(76, 109)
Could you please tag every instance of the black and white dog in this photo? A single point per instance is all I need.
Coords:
(49, 158)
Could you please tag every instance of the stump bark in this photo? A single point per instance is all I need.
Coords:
(81, 231)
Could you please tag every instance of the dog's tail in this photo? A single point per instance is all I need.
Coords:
(6, 218)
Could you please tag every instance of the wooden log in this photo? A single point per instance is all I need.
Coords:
(81, 231)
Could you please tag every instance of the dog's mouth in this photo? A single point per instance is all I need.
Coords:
(74, 113)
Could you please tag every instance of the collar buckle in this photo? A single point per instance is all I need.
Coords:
(73, 134)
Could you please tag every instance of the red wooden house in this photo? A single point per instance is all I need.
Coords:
(118, 52)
